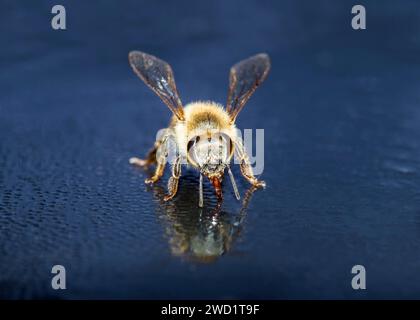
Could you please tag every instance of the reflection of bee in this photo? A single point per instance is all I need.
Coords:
(204, 133)
(204, 234)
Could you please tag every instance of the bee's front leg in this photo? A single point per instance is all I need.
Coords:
(150, 157)
(158, 154)
(161, 156)
(246, 168)
(174, 179)
(157, 175)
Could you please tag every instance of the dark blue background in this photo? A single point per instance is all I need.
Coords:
(341, 115)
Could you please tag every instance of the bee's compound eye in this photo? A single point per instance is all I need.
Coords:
(192, 142)
(193, 150)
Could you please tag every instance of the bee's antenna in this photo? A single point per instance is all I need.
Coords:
(200, 199)
(232, 180)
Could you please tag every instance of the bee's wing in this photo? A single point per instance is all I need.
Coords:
(158, 76)
(245, 77)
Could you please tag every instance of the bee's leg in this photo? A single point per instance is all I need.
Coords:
(234, 186)
(174, 179)
(246, 168)
(157, 175)
(150, 158)
(200, 192)
(161, 155)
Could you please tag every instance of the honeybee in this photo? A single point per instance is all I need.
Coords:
(201, 134)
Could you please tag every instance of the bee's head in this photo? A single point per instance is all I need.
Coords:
(210, 153)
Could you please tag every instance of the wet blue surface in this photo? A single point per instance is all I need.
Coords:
(340, 109)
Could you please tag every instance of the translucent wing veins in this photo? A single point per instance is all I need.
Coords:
(245, 77)
(158, 76)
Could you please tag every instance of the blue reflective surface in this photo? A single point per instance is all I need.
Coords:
(340, 110)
